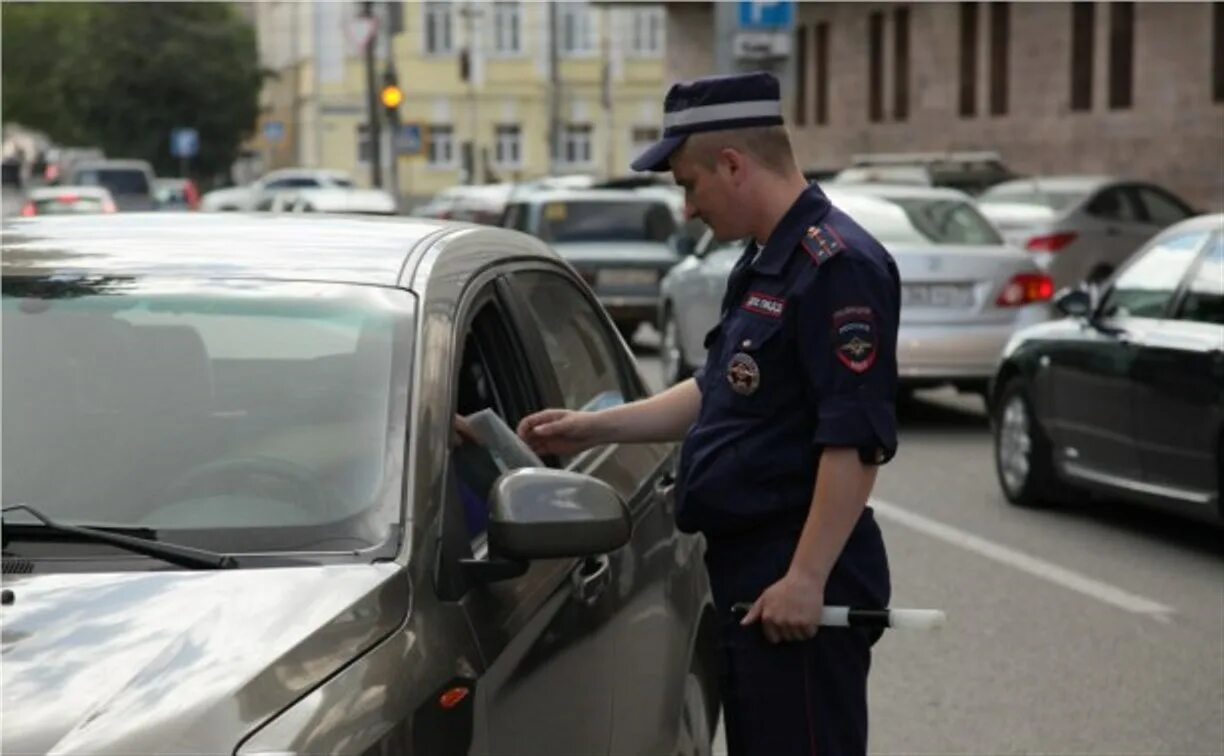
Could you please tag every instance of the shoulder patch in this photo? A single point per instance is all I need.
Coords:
(822, 243)
(854, 337)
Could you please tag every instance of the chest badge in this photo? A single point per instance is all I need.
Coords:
(743, 374)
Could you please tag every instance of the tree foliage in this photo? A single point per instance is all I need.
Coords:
(121, 76)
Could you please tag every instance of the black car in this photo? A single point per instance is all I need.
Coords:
(1124, 396)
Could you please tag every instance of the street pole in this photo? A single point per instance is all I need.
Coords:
(605, 93)
(554, 101)
(373, 132)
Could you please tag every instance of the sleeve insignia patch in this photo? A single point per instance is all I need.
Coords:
(764, 304)
(822, 243)
(855, 337)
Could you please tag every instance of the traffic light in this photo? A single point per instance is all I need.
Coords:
(391, 95)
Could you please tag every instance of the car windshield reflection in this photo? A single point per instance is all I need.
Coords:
(239, 416)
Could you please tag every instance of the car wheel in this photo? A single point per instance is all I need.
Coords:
(1023, 456)
(671, 355)
(696, 725)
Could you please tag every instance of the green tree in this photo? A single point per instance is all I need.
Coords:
(123, 75)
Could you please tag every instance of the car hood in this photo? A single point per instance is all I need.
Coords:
(617, 254)
(187, 662)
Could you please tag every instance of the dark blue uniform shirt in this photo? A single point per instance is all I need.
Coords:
(803, 358)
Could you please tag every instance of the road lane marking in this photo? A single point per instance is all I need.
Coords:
(1096, 589)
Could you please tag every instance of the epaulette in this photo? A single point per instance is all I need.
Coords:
(822, 243)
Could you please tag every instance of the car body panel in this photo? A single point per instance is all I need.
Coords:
(245, 648)
(130, 196)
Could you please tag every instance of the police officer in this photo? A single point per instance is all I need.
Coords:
(784, 427)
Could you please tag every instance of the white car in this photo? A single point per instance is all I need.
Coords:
(964, 292)
(245, 198)
(332, 200)
(477, 203)
(68, 200)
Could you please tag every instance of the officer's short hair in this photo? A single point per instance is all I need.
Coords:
(769, 145)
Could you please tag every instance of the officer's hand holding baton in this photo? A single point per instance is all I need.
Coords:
(845, 616)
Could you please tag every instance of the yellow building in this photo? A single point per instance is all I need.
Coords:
(602, 71)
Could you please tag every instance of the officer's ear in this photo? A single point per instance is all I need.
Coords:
(732, 163)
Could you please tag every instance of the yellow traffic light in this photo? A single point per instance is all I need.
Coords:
(391, 96)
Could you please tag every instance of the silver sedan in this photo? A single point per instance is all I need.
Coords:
(964, 291)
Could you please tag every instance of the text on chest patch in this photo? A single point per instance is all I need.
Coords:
(764, 304)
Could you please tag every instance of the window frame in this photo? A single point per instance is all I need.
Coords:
(1177, 312)
(431, 10)
(647, 26)
(507, 22)
(501, 138)
(582, 18)
(569, 134)
(452, 161)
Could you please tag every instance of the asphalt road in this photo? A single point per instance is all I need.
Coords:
(1092, 629)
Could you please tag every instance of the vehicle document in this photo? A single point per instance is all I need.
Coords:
(503, 444)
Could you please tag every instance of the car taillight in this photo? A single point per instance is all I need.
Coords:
(1026, 288)
(66, 199)
(1050, 242)
(28, 210)
(108, 206)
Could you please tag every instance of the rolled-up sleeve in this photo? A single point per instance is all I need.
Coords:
(848, 353)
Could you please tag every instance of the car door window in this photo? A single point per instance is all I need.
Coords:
(579, 343)
(1113, 205)
(1148, 283)
(1162, 209)
(1204, 301)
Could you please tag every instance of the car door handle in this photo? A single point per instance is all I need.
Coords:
(591, 578)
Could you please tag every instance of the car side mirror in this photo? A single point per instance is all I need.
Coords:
(541, 513)
(1075, 302)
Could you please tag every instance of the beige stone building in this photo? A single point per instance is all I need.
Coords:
(599, 65)
(1132, 89)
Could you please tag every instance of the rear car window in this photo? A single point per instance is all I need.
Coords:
(946, 221)
(579, 221)
(117, 180)
(1055, 200)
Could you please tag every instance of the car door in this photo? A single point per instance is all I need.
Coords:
(1095, 422)
(1179, 383)
(546, 685)
(1113, 226)
(657, 582)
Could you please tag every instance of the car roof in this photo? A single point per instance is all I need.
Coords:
(111, 164)
(1084, 183)
(587, 195)
(288, 246)
(1210, 222)
(899, 191)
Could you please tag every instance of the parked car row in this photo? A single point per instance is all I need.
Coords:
(78, 180)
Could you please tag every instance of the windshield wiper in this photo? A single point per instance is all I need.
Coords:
(183, 556)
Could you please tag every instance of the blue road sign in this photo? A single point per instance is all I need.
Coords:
(409, 140)
(184, 142)
(765, 14)
(274, 131)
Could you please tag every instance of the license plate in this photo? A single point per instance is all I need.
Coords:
(626, 277)
(946, 296)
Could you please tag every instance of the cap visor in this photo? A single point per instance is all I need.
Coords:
(655, 157)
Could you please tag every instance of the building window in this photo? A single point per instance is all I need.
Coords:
(643, 137)
(1217, 43)
(507, 150)
(1121, 53)
(801, 70)
(441, 145)
(507, 28)
(822, 72)
(968, 58)
(875, 58)
(1083, 28)
(901, 64)
(999, 34)
(438, 39)
(576, 144)
(575, 28)
(647, 39)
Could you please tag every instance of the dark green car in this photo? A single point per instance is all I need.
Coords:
(238, 518)
(1124, 397)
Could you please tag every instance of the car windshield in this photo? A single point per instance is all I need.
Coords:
(117, 180)
(236, 416)
(1029, 194)
(584, 221)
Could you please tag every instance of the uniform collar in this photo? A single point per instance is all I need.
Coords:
(809, 209)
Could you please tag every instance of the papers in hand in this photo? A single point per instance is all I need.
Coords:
(507, 449)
